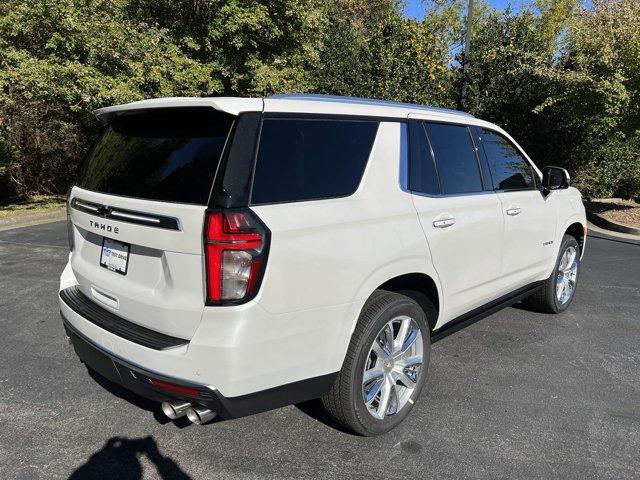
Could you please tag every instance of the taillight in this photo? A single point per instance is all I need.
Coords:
(235, 247)
(172, 387)
(70, 226)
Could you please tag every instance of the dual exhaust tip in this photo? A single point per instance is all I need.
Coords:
(196, 414)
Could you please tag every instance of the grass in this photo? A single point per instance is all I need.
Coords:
(35, 205)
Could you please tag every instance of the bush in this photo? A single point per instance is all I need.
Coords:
(563, 79)
(371, 50)
(61, 59)
(617, 169)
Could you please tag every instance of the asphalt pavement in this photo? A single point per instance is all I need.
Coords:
(516, 395)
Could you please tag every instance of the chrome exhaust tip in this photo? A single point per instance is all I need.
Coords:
(199, 415)
(175, 408)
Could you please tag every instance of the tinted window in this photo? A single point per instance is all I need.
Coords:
(486, 173)
(509, 169)
(422, 170)
(310, 159)
(168, 154)
(455, 158)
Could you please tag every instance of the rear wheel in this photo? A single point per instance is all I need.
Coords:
(559, 289)
(385, 367)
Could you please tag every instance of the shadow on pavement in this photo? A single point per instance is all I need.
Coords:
(314, 409)
(453, 327)
(120, 458)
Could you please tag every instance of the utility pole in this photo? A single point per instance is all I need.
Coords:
(467, 51)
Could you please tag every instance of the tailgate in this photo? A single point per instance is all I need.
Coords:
(138, 210)
(163, 287)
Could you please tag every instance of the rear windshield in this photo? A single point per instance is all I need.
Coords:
(169, 155)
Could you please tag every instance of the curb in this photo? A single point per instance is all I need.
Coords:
(604, 234)
(33, 219)
(609, 225)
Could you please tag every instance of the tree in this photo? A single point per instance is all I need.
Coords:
(562, 77)
(371, 50)
(598, 107)
(511, 73)
(254, 47)
(59, 60)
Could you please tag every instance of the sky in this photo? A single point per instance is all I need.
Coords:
(415, 8)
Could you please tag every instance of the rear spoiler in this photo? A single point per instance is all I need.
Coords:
(230, 105)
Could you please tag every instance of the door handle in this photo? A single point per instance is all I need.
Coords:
(444, 223)
(513, 211)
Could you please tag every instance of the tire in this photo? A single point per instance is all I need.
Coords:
(345, 402)
(548, 299)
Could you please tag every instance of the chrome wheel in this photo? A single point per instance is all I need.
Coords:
(567, 275)
(392, 367)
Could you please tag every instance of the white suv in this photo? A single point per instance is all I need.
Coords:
(234, 255)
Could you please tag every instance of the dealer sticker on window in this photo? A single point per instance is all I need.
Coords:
(115, 255)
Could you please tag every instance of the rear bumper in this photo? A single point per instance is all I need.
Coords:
(138, 380)
(240, 350)
(244, 358)
(131, 377)
(87, 309)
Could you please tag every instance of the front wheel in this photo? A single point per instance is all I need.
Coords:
(385, 367)
(560, 288)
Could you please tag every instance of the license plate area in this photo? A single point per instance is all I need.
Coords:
(115, 255)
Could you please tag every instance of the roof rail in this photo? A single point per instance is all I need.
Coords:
(319, 97)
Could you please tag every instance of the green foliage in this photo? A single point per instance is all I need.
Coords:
(563, 78)
(510, 75)
(615, 167)
(59, 60)
(372, 50)
(596, 107)
(254, 47)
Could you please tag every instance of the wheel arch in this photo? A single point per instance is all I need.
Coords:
(577, 231)
(401, 276)
(421, 288)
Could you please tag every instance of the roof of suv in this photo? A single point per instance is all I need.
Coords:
(294, 103)
(374, 107)
(304, 103)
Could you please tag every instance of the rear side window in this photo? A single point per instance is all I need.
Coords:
(455, 158)
(509, 169)
(168, 155)
(307, 159)
(422, 170)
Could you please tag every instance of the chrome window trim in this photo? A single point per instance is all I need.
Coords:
(452, 195)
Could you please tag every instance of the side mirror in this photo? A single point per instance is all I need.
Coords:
(555, 178)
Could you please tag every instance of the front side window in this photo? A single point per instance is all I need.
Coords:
(455, 158)
(308, 159)
(509, 169)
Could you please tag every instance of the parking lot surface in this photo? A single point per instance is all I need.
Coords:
(516, 395)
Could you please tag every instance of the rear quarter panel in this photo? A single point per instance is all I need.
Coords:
(336, 252)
